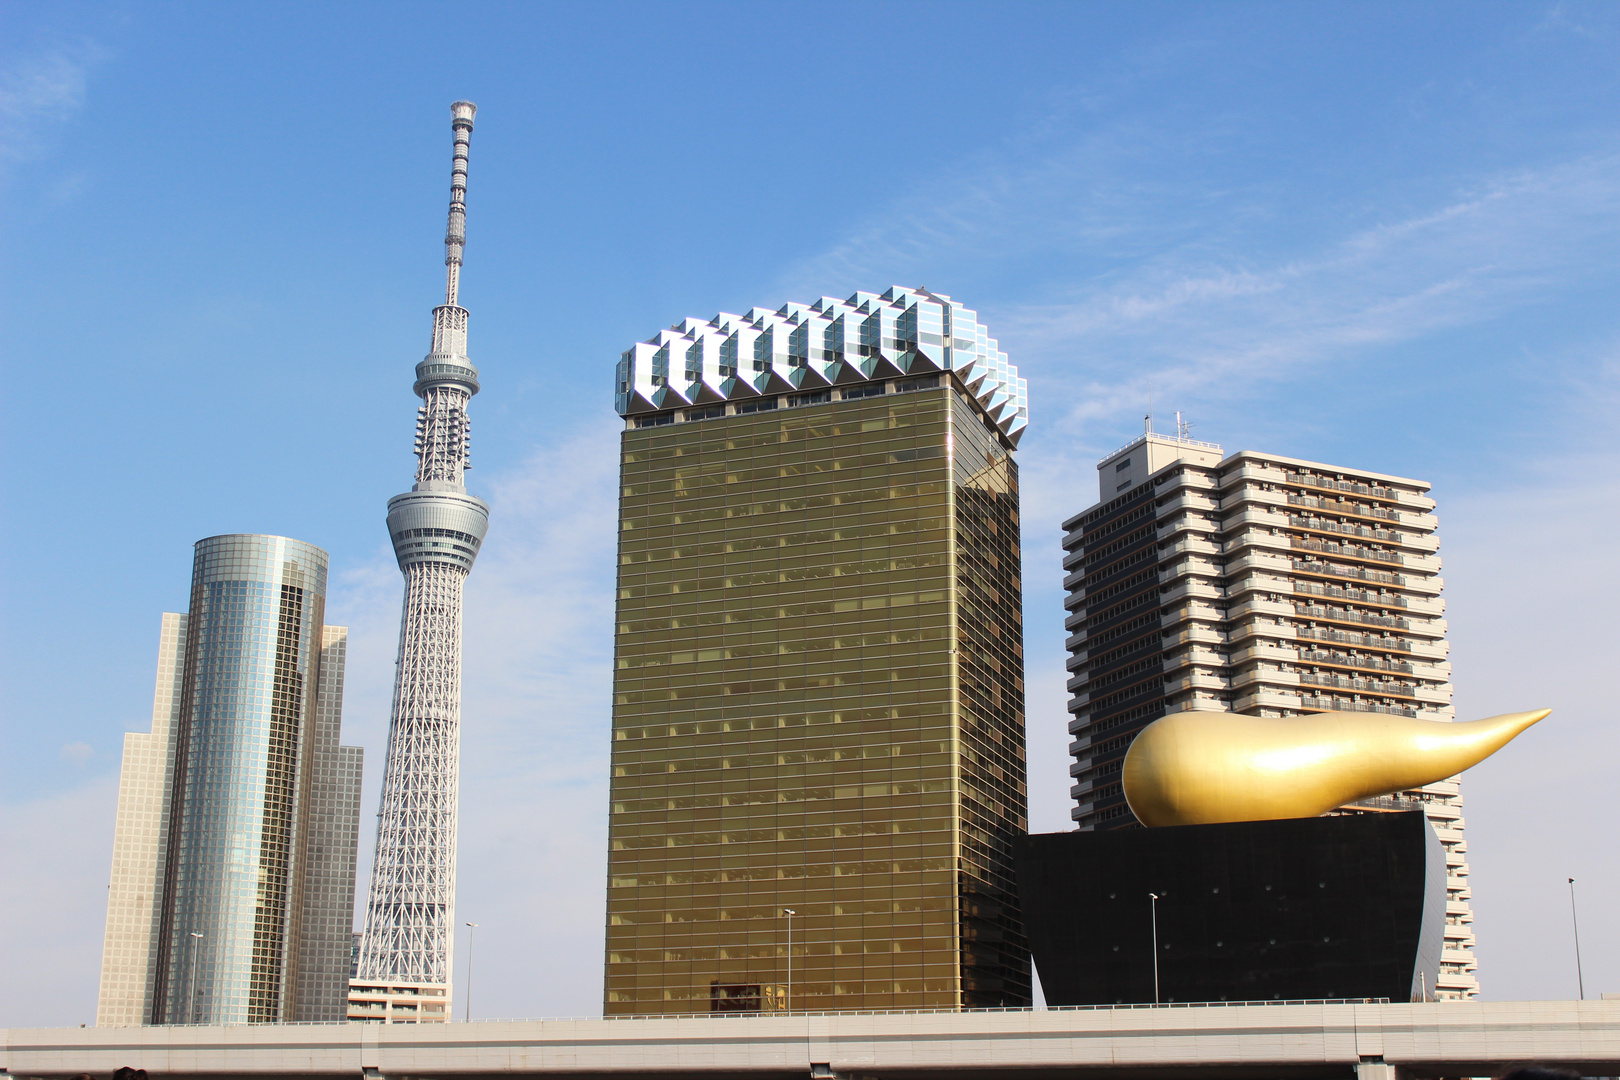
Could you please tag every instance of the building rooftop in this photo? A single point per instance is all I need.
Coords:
(797, 347)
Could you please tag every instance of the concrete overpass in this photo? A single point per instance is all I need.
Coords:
(1292, 1040)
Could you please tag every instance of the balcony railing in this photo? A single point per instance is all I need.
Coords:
(1312, 480)
(1308, 611)
(1366, 641)
(1312, 657)
(1360, 596)
(1317, 566)
(1324, 525)
(1338, 704)
(1360, 686)
(1339, 506)
(1328, 547)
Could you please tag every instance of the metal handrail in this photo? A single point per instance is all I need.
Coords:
(780, 1015)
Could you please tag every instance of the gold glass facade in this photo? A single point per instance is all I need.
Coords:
(818, 706)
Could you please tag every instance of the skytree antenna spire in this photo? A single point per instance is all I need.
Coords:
(437, 529)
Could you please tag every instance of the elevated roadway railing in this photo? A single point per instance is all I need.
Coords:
(1283, 1041)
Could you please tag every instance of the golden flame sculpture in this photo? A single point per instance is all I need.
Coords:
(1199, 768)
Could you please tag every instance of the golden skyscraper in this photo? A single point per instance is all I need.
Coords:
(818, 694)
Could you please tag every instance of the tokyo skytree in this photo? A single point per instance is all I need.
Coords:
(437, 529)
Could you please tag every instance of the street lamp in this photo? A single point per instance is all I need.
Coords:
(466, 1015)
(1580, 980)
(196, 941)
(787, 994)
(1154, 904)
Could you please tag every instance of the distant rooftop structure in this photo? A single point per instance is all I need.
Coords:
(798, 347)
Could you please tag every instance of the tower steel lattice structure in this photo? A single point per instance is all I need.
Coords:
(437, 529)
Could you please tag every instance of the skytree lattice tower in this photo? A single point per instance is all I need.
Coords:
(437, 529)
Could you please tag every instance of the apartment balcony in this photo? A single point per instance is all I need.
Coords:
(1189, 566)
(1193, 611)
(1254, 606)
(1193, 524)
(1191, 544)
(1364, 639)
(1191, 589)
(1250, 473)
(1187, 499)
(1347, 595)
(1423, 649)
(1194, 681)
(1349, 574)
(1277, 654)
(1359, 663)
(1254, 517)
(1333, 529)
(1197, 656)
(1379, 687)
(1197, 705)
(1432, 694)
(1338, 489)
(1339, 506)
(1264, 581)
(1255, 494)
(1266, 676)
(1196, 633)
(1260, 559)
(1376, 558)
(1355, 617)
(1262, 697)
(1428, 628)
(1330, 702)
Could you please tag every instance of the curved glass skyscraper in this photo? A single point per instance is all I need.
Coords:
(233, 868)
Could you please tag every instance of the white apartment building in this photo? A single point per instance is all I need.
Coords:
(1265, 585)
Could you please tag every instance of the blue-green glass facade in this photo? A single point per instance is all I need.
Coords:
(242, 764)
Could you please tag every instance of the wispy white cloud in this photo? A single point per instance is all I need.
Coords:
(78, 752)
(39, 90)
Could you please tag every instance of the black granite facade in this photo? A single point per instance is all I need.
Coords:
(1332, 907)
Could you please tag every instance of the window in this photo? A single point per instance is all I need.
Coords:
(907, 385)
(1123, 465)
(1123, 486)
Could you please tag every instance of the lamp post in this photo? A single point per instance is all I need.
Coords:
(787, 993)
(1153, 901)
(196, 940)
(1580, 980)
(466, 1014)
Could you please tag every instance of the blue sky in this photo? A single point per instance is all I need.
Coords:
(1381, 235)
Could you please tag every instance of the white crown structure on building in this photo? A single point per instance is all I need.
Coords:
(830, 343)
